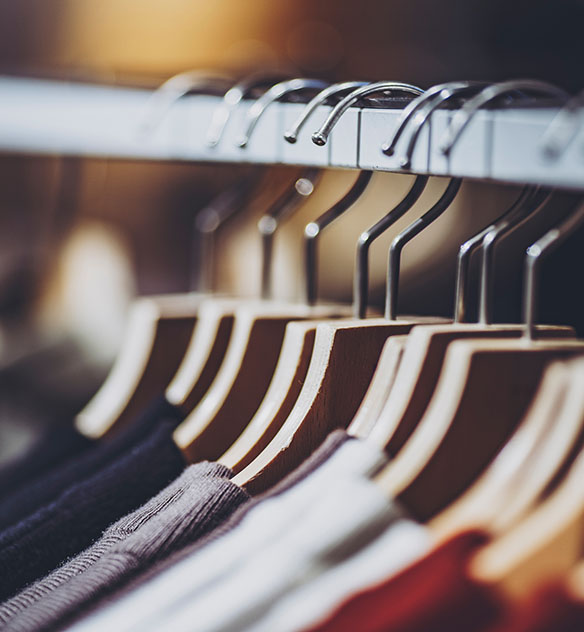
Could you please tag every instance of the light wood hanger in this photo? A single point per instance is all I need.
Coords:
(208, 345)
(544, 545)
(157, 334)
(520, 473)
(333, 389)
(299, 340)
(393, 412)
(483, 391)
(381, 385)
(425, 349)
(250, 362)
(158, 327)
(289, 375)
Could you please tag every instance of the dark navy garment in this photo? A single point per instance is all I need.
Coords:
(46, 487)
(80, 514)
(53, 447)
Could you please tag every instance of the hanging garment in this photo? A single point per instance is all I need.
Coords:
(74, 520)
(199, 500)
(45, 488)
(433, 595)
(252, 528)
(346, 519)
(53, 448)
(402, 543)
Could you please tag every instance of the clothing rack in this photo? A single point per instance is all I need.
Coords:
(55, 117)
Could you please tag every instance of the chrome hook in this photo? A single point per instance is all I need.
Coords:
(210, 219)
(231, 99)
(423, 115)
(337, 88)
(533, 202)
(366, 239)
(173, 89)
(563, 128)
(320, 137)
(415, 104)
(313, 230)
(535, 255)
(268, 224)
(275, 93)
(414, 229)
(463, 117)
(465, 252)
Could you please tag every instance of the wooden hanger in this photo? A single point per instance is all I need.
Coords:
(157, 334)
(243, 378)
(289, 375)
(159, 327)
(298, 343)
(483, 391)
(250, 362)
(519, 474)
(333, 388)
(208, 345)
(425, 349)
(544, 545)
(418, 373)
(381, 385)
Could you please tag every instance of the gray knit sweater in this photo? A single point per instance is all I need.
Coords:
(193, 505)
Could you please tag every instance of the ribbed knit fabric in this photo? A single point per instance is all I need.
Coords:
(75, 519)
(53, 447)
(46, 487)
(267, 523)
(195, 503)
(333, 442)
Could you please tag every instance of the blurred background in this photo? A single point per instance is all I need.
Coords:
(79, 239)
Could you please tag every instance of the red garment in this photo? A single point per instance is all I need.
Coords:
(551, 609)
(433, 595)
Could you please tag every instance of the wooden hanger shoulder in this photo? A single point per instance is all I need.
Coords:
(519, 473)
(243, 379)
(343, 361)
(380, 387)
(156, 336)
(483, 392)
(289, 376)
(419, 370)
(543, 546)
(204, 353)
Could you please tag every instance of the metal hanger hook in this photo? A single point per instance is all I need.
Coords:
(320, 137)
(273, 94)
(173, 89)
(536, 254)
(414, 229)
(424, 113)
(525, 207)
(338, 88)
(464, 116)
(366, 239)
(453, 87)
(301, 189)
(563, 129)
(313, 230)
(232, 98)
(465, 252)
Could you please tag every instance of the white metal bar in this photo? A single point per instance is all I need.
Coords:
(52, 117)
